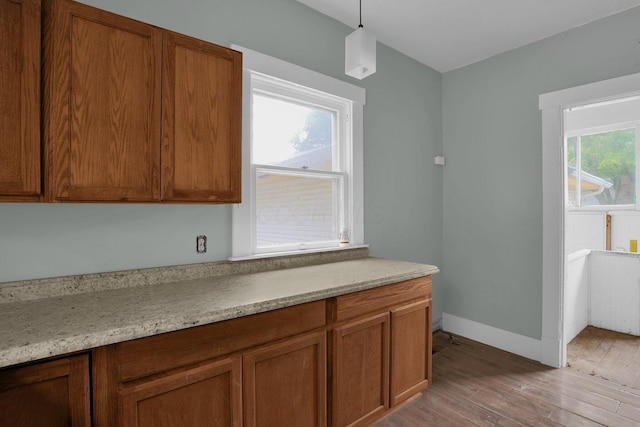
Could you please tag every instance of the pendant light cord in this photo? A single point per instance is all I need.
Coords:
(360, 26)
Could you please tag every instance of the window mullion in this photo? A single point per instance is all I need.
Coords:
(637, 141)
(299, 172)
(579, 171)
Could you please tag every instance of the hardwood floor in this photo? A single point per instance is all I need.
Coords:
(477, 385)
(606, 354)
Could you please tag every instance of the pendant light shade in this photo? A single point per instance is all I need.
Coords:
(360, 52)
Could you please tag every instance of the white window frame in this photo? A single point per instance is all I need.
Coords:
(579, 133)
(263, 68)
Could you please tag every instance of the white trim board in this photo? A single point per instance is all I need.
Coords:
(499, 338)
(275, 67)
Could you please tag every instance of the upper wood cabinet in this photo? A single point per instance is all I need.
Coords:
(118, 128)
(20, 100)
(201, 121)
(101, 105)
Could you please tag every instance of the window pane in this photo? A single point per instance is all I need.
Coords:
(292, 135)
(296, 209)
(608, 163)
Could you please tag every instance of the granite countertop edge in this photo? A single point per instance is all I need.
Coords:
(25, 338)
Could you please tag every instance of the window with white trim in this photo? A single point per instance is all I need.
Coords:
(601, 167)
(302, 161)
(601, 151)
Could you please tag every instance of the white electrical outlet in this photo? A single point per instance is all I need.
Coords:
(201, 244)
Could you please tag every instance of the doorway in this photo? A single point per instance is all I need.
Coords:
(555, 259)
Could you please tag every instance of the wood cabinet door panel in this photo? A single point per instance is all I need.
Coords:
(410, 350)
(361, 371)
(202, 110)
(19, 100)
(102, 105)
(208, 395)
(52, 394)
(285, 383)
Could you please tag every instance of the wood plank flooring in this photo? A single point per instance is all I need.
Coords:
(606, 354)
(477, 385)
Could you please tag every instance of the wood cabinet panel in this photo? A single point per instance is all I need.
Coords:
(285, 383)
(359, 303)
(52, 393)
(147, 356)
(201, 109)
(136, 113)
(410, 350)
(20, 100)
(209, 395)
(360, 371)
(102, 76)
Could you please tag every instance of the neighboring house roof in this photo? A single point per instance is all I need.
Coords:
(320, 158)
(588, 181)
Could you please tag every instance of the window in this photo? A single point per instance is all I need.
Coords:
(299, 152)
(601, 152)
(302, 160)
(601, 168)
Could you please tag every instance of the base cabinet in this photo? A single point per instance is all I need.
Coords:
(381, 350)
(209, 396)
(410, 350)
(344, 361)
(52, 394)
(285, 383)
(266, 369)
(361, 371)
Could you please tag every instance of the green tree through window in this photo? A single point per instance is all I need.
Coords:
(610, 156)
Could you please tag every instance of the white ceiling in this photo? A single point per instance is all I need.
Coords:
(448, 34)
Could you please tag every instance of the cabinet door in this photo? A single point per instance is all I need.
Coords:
(19, 99)
(410, 350)
(361, 371)
(51, 394)
(202, 112)
(285, 383)
(208, 395)
(101, 105)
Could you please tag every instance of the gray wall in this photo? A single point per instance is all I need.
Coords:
(403, 131)
(492, 269)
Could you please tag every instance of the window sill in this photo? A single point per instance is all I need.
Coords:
(299, 252)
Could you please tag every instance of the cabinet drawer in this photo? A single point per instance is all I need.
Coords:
(147, 356)
(358, 303)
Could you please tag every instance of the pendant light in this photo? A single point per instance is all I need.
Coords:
(360, 52)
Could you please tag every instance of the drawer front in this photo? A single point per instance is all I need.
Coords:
(359, 303)
(159, 353)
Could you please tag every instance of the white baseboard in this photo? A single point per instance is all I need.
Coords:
(499, 338)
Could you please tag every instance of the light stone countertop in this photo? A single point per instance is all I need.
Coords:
(39, 328)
